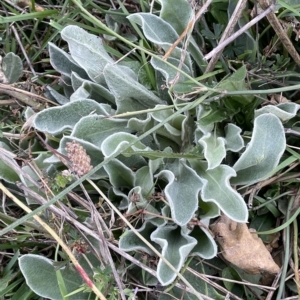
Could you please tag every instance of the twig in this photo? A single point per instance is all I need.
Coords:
(23, 50)
(227, 32)
(26, 97)
(239, 32)
(280, 32)
(189, 27)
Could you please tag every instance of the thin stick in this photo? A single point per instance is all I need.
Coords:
(23, 50)
(281, 33)
(227, 32)
(239, 32)
(189, 27)
(144, 240)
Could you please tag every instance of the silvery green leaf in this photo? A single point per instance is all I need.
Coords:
(206, 247)
(170, 73)
(144, 178)
(55, 120)
(95, 129)
(155, 164)
(139, 70)
(214, 150)
(208, 210)
(216, 188)
(284, 111)
(177, 13)
(155, 29)
(7, 173)
(88, 51)
(94, 90)
(205, 128)
(157, 221)
(47, 169)
(263, 152)
(120, 140)
(130, 242)
(40, 275)
(233, 140)
(112, 25)
(182, 197)
(60, 99)
(120, 175)
(63, 62)
(141, 125)
(129, 94)
(79, 94)
(65, 82)
(115, 195)
(137, 202)
(176, 246)
(173, 130)
(12, 67)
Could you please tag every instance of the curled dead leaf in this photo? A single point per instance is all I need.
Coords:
(242, 247)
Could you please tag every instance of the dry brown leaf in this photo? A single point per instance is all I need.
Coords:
(242, 247)
(278, 98)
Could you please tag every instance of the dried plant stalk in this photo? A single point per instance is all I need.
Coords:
(280, 32)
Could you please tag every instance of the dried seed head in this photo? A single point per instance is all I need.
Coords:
(81, 162)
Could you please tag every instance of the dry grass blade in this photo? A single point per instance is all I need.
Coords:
(59, 241)
(239, 32)
(227, 32)
(280, 32)
(28, 98)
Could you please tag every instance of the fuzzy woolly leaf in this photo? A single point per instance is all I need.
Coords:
(170, 73)
(206, 246)
(40, 276)
(120, 176)
(129, 94)
(144, 178)
(176, 246)
(130, 242)
(155, 29)
(54, 95)
(12, 67)
(120, 140)
(95, 129)
(63, 62)
(177, 13)
(94, 90)
(55, 120)
(87, 50)
(214, 150)
(7, 173)
(217, 189)
(233, 140)
(182, 197)
(263, 152)
(284, 111)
